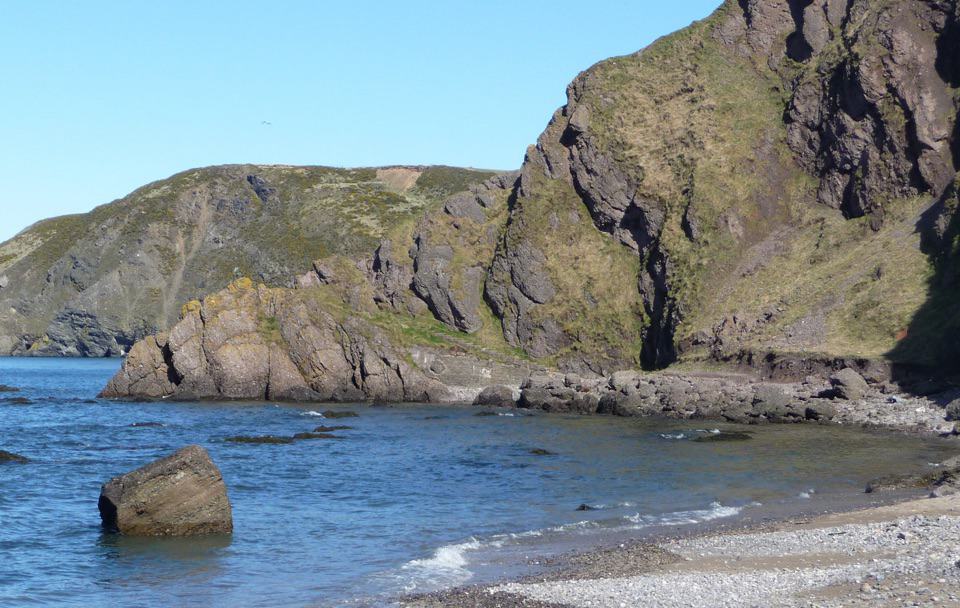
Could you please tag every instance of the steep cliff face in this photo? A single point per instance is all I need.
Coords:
(719, 149)
(778, 178)
(92, 284)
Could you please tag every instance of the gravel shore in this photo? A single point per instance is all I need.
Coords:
(907, 554)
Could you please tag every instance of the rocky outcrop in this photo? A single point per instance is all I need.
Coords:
(452, 252)
(629, 393)
(180, 495)
(496, 396)
(252, 342)
(872, 113)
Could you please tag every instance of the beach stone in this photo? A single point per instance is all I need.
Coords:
(180, 495)
(953, 410)
(820, 409)
(496, 396)
(624, 381)
(615, 404)
(771, 401)
(849, 385)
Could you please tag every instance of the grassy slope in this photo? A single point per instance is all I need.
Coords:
(704, 128)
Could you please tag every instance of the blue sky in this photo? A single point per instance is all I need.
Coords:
(102, 97)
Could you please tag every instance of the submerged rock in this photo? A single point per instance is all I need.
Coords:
(268, 439)
(18, 401)
(11, 457)
(943, 480)
(330, 429)
(315, 436)
(725, 436)
(331, 414)
(542, 452)
(4, 388)
(147, 424)
(180, 495)
(820, 409)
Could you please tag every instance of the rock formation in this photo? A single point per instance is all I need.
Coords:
(180, 495)
(777, 181)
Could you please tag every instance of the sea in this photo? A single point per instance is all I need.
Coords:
(410, 499)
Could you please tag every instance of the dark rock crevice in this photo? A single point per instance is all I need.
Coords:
(871, 127)
(798, 48)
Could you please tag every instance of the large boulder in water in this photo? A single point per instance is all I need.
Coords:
(180, 495)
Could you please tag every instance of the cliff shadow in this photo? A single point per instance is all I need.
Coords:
(926, 359)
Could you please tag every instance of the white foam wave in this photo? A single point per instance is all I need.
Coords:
(446, 567)
(449, 565)
(696, 516)
(672, 436)
(311, 413)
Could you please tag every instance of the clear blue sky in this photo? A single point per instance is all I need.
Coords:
(101, 97)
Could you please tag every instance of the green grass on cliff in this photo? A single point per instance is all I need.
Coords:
(597, 302)
(704, 129)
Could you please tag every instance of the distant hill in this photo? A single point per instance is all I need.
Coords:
(92, 284)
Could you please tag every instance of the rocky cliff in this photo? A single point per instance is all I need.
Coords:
(777, 178)
(95, 283)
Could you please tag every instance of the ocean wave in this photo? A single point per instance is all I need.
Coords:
(449, 565)
(689, 434)
(446, 567)
(696, 516)
(312, 413)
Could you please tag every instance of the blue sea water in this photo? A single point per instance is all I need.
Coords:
(410, 499)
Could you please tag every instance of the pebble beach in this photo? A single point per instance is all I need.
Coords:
(906, 554)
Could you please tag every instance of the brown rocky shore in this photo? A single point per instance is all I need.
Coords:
(844, 397)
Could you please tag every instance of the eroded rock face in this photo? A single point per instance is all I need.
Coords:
(180, 495)
(251, 342)
(452, 252)
(874, 120)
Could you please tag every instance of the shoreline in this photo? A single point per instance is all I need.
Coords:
(863, 549)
